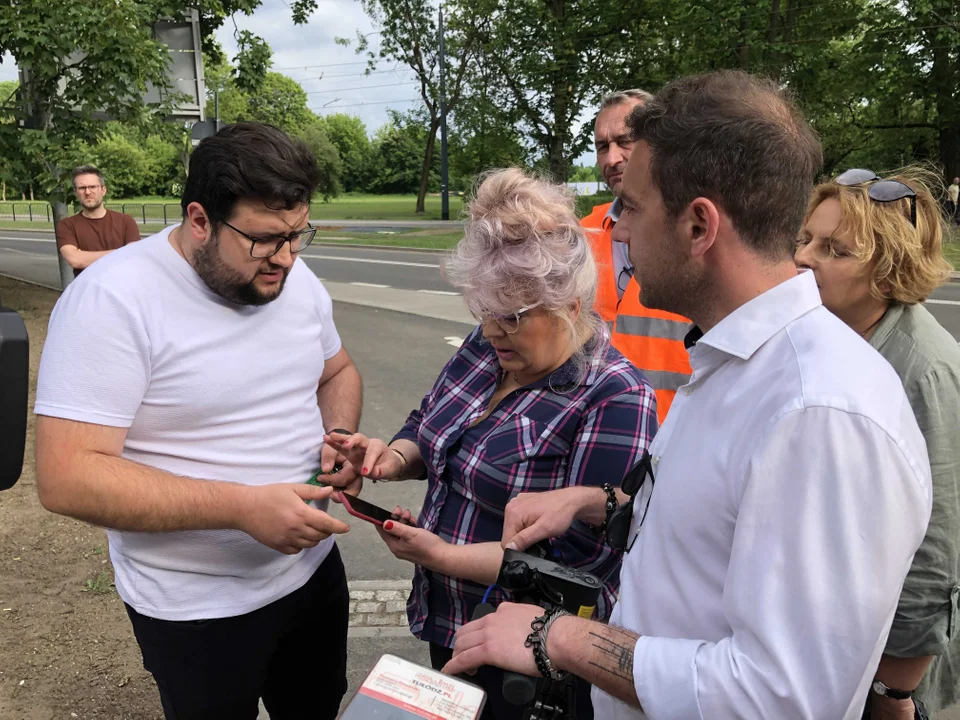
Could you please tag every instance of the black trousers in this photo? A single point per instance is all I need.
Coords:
(292, 653)
(491, 680)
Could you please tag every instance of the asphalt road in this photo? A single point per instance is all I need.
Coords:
(373, 269)
(408, 270)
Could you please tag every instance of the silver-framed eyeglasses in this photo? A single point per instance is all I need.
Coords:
(509, 322)
(266, 247)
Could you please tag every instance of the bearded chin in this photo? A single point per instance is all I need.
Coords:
(227, 282)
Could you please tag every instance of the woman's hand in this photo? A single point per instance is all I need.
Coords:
(346, 479)
(413, 544)
(365, 456)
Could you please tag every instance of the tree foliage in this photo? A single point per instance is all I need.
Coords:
(80, 60)
(552, 60)
(349, 135)
(409, 34)
(397, 147)
(328, 158)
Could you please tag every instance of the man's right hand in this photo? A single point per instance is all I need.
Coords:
(277, 516)
(532, 517)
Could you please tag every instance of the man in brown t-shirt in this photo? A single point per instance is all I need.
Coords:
(94, 231)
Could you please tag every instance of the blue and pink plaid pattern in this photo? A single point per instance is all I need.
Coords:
(559, 432)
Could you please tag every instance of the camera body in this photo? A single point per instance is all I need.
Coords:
(533, 578)
(15, 377)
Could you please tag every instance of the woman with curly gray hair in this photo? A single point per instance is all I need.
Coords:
(534, 400)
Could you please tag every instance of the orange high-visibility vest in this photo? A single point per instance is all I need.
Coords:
(650, 339)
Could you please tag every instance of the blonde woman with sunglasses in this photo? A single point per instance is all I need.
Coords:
(875, 248)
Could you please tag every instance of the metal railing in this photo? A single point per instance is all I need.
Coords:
(143, 213)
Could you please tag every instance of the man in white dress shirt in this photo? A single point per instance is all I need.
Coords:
(790, 483)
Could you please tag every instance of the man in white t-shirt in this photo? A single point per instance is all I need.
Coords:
(185, 388)
(768, 531)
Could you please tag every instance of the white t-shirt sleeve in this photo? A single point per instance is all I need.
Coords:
(329, 337)
(95, 365)
(831, 514)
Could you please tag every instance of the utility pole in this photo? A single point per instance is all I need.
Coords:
(444, 171)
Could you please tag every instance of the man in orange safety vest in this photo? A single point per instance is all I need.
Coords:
(651, 339)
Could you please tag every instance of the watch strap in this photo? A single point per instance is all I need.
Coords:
(893, 693)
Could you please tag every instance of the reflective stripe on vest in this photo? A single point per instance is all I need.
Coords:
(663, 380)
(652, 327)
(650, 339)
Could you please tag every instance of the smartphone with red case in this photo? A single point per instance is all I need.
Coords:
(366, 510)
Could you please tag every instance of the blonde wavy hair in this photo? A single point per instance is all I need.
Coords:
(523, 244)
(908, 260)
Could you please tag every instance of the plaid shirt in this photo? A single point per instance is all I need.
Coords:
(537, 439)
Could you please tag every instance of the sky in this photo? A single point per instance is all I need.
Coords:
(332, 75)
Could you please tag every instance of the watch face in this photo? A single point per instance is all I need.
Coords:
(879, 688)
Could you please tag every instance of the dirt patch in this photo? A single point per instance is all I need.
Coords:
(66, 646)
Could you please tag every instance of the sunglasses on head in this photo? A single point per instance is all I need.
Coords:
(881, 190)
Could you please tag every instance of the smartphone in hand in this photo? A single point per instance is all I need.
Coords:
(367, 510)
(315, 480)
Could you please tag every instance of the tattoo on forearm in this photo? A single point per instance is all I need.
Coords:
(617, 656)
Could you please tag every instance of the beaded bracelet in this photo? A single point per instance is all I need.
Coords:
(611, 507)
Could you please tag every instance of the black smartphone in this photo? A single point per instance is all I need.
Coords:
(366, 510)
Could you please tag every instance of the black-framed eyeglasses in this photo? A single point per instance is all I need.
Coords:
(266, 247)
(624, 278)
(618, 529)
(881, 190)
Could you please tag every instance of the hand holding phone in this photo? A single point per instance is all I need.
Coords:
(367, 510)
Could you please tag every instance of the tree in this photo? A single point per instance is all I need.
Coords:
(396, 149)
(798, 43)
(328, 159)
(124, 164)
(586, 173)
(76, 59)
(483, 136)
(280, 101)
(913, 51)
(8, 101)
(551, 61)
(82, 58)
(349, 136)
(408, 34)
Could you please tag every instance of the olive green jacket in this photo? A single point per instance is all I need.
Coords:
(927, 621)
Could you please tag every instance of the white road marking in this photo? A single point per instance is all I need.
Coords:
(944, 302)
(440, 292)
(23, 252)
(373, 285)
(19, 239)
(454, 340)
(338, 258)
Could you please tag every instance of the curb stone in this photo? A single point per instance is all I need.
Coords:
(378, 607)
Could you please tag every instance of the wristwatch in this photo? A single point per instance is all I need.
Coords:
(880, 689)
